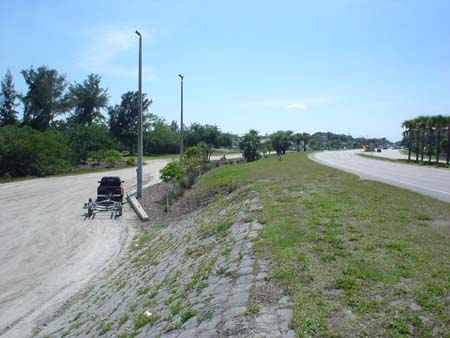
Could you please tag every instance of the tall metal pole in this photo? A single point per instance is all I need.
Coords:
(181, 126)
(139, 139)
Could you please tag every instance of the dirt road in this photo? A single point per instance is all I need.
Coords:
(48, 249)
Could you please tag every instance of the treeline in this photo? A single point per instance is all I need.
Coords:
(73, 122)
(427, 137)
(254, 145)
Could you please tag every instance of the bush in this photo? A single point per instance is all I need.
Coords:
(113, 156)
(188, 181)
(28, 152)
(172, 172)
(131, 162)
(99, 156)
(87, 141)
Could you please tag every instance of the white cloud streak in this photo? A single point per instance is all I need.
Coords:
(105, 49)
(304, 104)
(297, 106)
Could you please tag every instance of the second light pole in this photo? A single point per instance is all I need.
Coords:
(140, 143)
(181, 123)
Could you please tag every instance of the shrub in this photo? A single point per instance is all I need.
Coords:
(113, 156)
(172, 172)
(99, 156)
(28, 152)
(131, 162)
(188, 181)
(249, 145)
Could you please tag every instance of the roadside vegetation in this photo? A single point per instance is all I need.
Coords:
(93, 129)
(357, 257)
(70, 127)
(427, 139)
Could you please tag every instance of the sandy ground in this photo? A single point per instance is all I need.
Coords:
(48, 249)
(430, 181)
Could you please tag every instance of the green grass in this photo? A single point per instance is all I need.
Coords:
(357, 257)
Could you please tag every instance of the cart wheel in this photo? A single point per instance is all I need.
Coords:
(120, 211)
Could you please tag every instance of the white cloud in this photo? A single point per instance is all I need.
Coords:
(297, 106)
(108, 51)
(294, 104)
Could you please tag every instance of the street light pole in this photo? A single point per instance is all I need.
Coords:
(139, 139)
(181, 126)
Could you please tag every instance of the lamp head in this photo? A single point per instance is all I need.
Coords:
(181, 76)
(137, 32)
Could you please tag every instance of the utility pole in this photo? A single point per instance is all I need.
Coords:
(139, 139)
(181, 126)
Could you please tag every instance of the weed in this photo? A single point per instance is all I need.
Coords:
(252, 309)
(105, 327)
(143, 320)
(123, 319)
(187, 314)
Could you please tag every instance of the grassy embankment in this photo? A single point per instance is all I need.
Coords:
(405, 161)
(358, 258)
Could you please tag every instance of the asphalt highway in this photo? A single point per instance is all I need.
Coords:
(434, 182)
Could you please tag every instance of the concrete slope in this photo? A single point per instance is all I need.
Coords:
(434, 182)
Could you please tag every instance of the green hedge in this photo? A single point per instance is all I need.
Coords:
(28, 152)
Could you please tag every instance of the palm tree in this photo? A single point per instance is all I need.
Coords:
(439, 122)
(408, 125)
(417, 125)
(422, 142)
(306, 139)
(420, 125)
(430, 126)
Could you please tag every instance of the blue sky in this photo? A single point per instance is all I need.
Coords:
(347, 66)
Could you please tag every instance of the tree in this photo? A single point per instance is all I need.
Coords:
(281, 140)
(85, 141)
(174, 126)
(408, 126)
(297, 138)
(160, 139)
(306, 139)
(439, 122)
(192, 160)
(123, 118)
(197, 133)
(45, 98)
(249, 145)
(8, 96)
(88, 98)
(172, 172)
